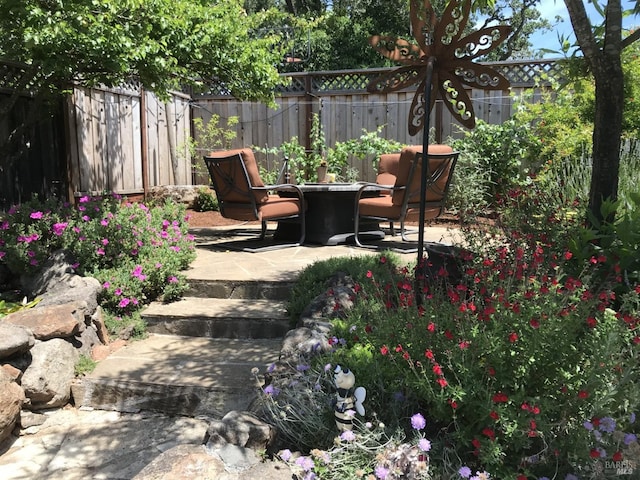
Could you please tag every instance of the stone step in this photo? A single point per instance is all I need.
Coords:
(239, 289)
(219, 318)
(178, 375)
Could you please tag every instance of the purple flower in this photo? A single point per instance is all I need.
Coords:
(571, 476)
(2, 254)
(173, 279)
(36, 215)
(607, 424)
(306, 463)
(381, 472)
(83, 199)
(271, 390)
(302, 368)
(418, 422)
(632, 418)
(588, 425)
(424, 445)
(464, 472)
(347, 436)
(629, 438)
(285, 454)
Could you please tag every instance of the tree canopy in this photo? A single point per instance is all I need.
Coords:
(163, 43)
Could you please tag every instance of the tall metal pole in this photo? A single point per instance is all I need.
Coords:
(424, 175)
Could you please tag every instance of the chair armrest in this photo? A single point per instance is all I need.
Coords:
(373, 187)
(283, 187)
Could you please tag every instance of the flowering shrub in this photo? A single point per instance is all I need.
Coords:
(509, 359)
(136, 252)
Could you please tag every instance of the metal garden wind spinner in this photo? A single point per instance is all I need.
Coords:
(444, 56)
(441, 64)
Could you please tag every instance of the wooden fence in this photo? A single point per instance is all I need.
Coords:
(127, 140)
(345, 109)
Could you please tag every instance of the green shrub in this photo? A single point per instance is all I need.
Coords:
(206, 200)
(136, 252)
(505, 152)
(84, 365)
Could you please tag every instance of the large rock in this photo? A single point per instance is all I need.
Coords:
(14, 339)
(59, 321)
(303, 342)
(57, 284)
(47, 380)
(242, 429)
(11, 400)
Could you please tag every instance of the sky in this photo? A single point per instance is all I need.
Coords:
(550, 8)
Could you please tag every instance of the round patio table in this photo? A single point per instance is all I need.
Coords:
(329, 216)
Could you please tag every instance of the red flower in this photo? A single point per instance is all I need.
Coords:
(368, 328)
(463, 345)
(453, 403)
(398, 348)
(491, 371)
(431, 327)
(583, 394)
(442, 382)
(500, 398)
(406, 355)
(437, 369)
(384, 350)
(428, 354)
(591, 322)
(476, 443)
(448, 334)
(513, 337)
(494, 415)
(369, 274)
(617, 457)
(534, 323)
(594, 453)
(488, 432)
(521, 477)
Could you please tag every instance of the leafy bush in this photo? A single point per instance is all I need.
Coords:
(304, 164)
(505, 152)
(206, 200)
(136, 252)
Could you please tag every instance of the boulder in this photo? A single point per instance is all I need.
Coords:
(183, 462)
(57, 284)
(303, 342)
(11, 400)
(333, 303)
(242, 429)
(59, 321)
(47, 380)
(14, 339)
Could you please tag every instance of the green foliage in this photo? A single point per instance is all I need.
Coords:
(303, 164)
(312, 280)
(209, 137)
(84, 365)
(131, 326)
(7, 307)
(205, 200)
(104, 41)
(505, 151)
(136, 252)
(562, 121)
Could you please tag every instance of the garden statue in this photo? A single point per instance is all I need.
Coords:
(347, 398)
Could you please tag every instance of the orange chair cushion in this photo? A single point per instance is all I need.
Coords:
(407, 156)
(251, 167)
(388, 169)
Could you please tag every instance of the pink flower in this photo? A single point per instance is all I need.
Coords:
(123, 303)
(36, 215)
(58, 228)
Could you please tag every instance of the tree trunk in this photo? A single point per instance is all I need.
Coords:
(606, 136)
(606, 65)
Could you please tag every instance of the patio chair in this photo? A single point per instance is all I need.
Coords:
(243, 196)
(400, 201)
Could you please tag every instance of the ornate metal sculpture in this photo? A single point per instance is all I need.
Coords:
(441, 63)
(440, 46)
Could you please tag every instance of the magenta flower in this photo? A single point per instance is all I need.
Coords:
(58, 228)
(106, 285)
(83, 199)
(2, 254)
(36, 215)
(123, 303)
(173, 279)
(4, 225)
(104, 222)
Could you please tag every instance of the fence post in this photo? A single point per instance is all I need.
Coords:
(308, 117)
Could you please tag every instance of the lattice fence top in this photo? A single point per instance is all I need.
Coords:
(529, 73)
